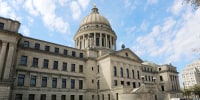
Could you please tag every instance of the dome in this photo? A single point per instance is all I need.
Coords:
(94, 18)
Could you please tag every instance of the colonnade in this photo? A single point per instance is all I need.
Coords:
(93, 40)
(6, 59)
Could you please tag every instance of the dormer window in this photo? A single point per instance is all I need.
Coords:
(1, 26)
(126, 54)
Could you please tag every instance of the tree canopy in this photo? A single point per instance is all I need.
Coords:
(195, 3)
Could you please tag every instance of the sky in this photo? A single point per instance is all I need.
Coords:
(159, 31)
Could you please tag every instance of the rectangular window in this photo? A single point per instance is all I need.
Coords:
(64, 68)
(57, 50)
(63, 83)
(47, 48)
(102, 97)
(138, 74)
(43, 97)
(55, 65)
(45, 63)
(80, 68)
(80, 84)
(31, 97)
(37, 46)
(72, 67)
(97, 41)
(162, 88)
(128, 83)
(115, 71)
(35, 62)
(134, 85)
(72, 97)
(18, 97)
(44, 81)
(122, 82)
(108, 96)
(65, 52)
(33, 81)
(53, 97)
(26, 44)
(115, 82)
(81, 55)
(161, 78)
(54, 82)
(63, 97)
(133, 74)
(21, 78)
(23, 60)
(80, 97)
(72, 84)
(73, 54)
(1, 26)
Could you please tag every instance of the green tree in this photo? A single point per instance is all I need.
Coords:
(196, 90)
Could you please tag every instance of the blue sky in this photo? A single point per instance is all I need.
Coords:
(160, 31)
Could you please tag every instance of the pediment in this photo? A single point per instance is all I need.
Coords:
(129, 54)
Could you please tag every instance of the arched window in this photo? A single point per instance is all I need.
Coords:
(127, 73)
(115, 71)
(121, 72)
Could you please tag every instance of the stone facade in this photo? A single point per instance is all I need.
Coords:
(32, 69)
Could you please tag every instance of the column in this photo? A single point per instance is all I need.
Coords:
(9, 61)
(94, 39)
(79, 42)
(106, 41)
(100, 40)
(111, 42)
(84, 41)
(2, 57)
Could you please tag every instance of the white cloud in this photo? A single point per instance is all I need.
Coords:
(144, 26)
(62, 2)
(46, 9)
(129, 5)
(152, 1)
(83, 3)
(172, 39)
(25, 30)
(76, 11)
(177, 7)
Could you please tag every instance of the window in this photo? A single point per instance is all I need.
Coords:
(56, 50)
(115, 71)
(43, 97)
(37, 46)
(115, 82)
(133, 74)
(159, 69)
(63, 83)
(161, 78)
(33, 81)
(73, 53)
(97, 41)
(54, 82)
(53, 97)
(80, 68)
(64, 68)
(55, 65)
(138, 74)
(72, 84)
(134, 85)
(162, 88)
(81, 55)
(1, 26)
(72, 97)
(108, 96)
(102, 97)
(121, 72)
(18, 97)
(128, 83)
(126, 54)
(80, 84)
(80, 97)
(26, 44)
(127, 73)
(31, 97)
(35, 62)
(63, 97)
(122, 82)
(44, 81)
(65, 52)
(139, 84)
(98, 84)
(23, 60)
(72, 67)
(21, 80)
(45, 63)
(47, 48)
(97, 68)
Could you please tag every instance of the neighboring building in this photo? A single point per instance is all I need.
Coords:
(32, 69)
(191, 74)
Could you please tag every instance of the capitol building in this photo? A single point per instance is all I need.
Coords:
(33, 69)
